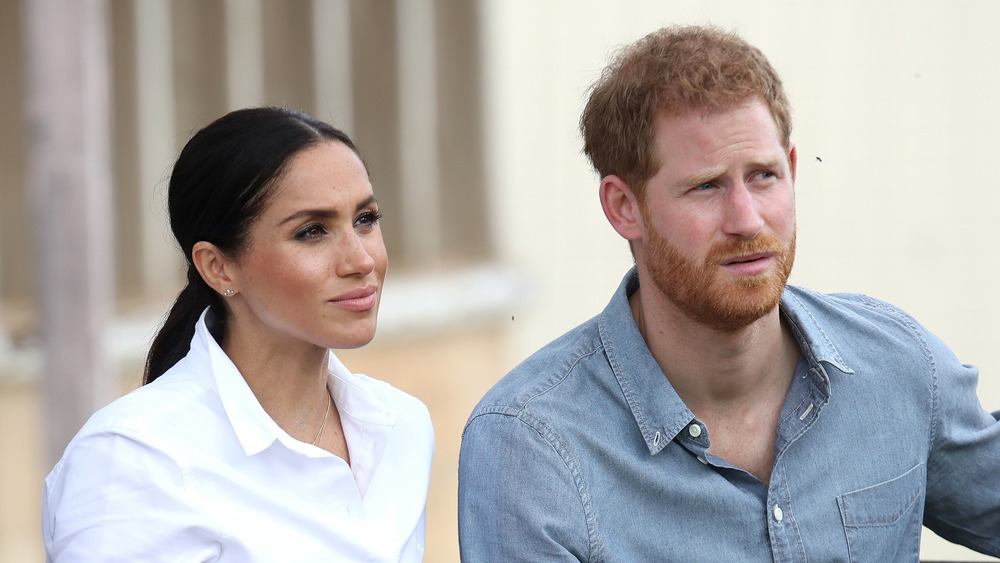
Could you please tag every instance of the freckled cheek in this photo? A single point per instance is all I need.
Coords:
(298, 274)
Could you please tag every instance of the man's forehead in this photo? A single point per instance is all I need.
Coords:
(703, 144)
(709, 108)
(752, 118)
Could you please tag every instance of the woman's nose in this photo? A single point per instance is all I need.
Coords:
(355, 259)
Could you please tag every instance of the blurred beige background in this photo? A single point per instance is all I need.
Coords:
(466, 112)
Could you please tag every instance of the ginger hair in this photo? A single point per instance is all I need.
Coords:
(668, 72)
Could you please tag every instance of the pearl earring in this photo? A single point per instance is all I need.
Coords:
(229, 292)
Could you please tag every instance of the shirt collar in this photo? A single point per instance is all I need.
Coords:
(254, 428)
(366, 420)
(354, 400)
(658, 410)
(813, 340)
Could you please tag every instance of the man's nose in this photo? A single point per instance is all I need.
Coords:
(742, 214)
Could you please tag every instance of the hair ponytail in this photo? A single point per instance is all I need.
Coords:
(173, 341)
(219, 185)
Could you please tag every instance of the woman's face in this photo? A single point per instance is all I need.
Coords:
(314, 267)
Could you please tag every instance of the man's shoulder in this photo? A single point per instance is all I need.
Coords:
(847, 307)
(853, 326)
(546, 372)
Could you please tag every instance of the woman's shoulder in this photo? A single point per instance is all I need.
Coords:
(379, 403)
(384, 392)
(404, 404)
(131, 455)
(153, 413)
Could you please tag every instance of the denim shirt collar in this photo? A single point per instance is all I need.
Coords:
(812, 339)
(658, 410)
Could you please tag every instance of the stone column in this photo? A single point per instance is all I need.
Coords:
(70, 179)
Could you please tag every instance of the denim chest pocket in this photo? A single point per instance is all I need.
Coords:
(883, 521)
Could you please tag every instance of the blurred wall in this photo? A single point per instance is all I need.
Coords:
(467, 113)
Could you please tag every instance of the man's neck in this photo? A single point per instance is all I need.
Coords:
(735, 382)
(707, 365)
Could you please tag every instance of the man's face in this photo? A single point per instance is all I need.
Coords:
(719, 216)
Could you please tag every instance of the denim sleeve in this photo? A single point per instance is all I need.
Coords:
(963, 476)
(518, 494)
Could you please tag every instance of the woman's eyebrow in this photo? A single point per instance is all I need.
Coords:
(324, 212)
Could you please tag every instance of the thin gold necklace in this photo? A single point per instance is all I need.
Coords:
(329, 402)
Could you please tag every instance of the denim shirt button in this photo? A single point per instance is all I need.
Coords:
(694, 430)
(778, 514)
(703, 460)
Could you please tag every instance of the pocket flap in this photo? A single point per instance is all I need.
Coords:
(883, 504)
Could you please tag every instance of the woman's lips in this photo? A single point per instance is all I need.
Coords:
(361, 299)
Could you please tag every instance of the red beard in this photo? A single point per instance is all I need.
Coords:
(706, 294)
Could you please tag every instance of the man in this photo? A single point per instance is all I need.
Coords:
(710, 413)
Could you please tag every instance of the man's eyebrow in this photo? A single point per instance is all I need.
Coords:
(700, 178)
(707, 176)
(324, 212)
(766, 162)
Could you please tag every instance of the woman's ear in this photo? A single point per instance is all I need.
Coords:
(215, 267)
(621, 207)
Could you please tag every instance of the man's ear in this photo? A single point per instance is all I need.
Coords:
(793, 158)
(621, 207)
(214, 266)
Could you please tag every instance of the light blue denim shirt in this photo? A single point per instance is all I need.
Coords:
(585, 452)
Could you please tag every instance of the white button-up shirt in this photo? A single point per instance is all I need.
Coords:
(191, 468)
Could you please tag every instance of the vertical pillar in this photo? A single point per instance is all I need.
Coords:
(418, 128)
(70, 179)
(5, 344)
(154, 75)
(244, 54)
(332, 59)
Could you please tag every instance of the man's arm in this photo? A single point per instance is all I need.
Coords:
(520, 494)
(963, 472)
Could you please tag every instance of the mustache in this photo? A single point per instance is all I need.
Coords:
(739, 247)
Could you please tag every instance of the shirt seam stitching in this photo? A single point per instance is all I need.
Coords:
(579, 481)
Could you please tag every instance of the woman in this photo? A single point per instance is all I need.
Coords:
(250, 440)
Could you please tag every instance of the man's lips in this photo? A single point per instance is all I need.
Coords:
(749, 264)
(747, 259)
(360, 299)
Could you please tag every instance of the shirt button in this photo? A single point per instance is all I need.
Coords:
(694, 430)
(703, 460)
(778, 514)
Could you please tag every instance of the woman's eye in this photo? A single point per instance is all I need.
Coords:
(310, 232)
(367, 219)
